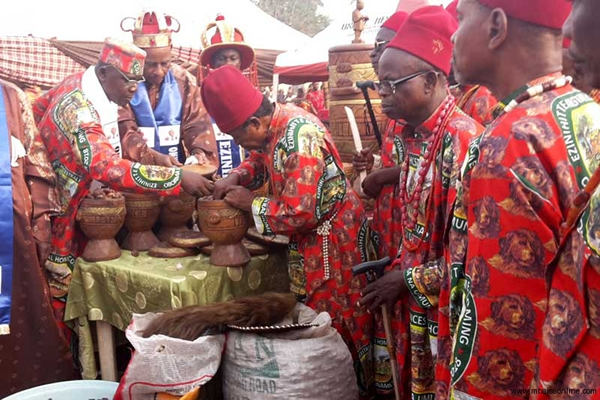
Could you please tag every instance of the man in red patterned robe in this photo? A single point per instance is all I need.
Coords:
(74, 120)
(312, 202)
(386, 214)
(521, 177)
(433, 144)
(475, 100)
(316, 97)
(569, 357)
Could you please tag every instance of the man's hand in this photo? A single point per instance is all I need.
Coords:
(363, 161)
(372, 184)
(195, 184)
(385, 290)
(197, 158)
(164, 160)
(239, 197)
(222, 185)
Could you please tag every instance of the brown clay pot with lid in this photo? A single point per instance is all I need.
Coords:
(142, 214)
(100, 220)
(225, 226)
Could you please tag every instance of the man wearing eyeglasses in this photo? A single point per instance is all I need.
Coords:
(386, 221)
(432, 145)
(165, 122)
(76, 120)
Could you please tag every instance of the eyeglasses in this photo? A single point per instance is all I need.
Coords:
(390, 86)
(128, 81)
(380, 43)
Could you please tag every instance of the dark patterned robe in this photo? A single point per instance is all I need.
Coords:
(35, 352)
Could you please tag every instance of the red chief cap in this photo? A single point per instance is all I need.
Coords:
(225, 36)
(125, 56)
(229, 97)
(451, 8)
(395, 21)
(151, 29)
(549, 13)
(426, 34)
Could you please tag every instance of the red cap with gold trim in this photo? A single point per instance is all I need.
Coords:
(225, 36)
(125, 56)
(151, 29)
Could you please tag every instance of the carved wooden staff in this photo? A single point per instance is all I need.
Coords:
(373, 270)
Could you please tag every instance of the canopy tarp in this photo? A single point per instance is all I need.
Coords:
(310, 61)
(45, 63)
(93, 21)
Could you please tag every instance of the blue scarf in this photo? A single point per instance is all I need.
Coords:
(6, 221)
(168, 112)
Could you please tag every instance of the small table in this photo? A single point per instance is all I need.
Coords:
(110, 292)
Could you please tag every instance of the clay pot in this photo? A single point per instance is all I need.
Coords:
(225, 226)
(176, 211)
(100, 220)
(142, 213)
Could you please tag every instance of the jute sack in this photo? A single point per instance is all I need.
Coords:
(312, 363)
(161, 364)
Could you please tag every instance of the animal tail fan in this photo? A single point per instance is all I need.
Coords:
(191, 322)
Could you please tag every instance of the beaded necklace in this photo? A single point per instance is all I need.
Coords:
(530, 92)
(433, 144)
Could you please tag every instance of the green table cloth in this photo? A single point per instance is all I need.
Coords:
(113, 291)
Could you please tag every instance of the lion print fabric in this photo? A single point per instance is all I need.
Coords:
(516, 186)
(476, 101)
(414, 322)
(387, 219)
(79, 153)
(569, 356)
(309, 188)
